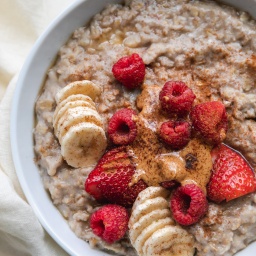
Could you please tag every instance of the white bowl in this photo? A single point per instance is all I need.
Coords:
(22, 120)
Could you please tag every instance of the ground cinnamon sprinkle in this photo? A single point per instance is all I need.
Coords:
(156, 163)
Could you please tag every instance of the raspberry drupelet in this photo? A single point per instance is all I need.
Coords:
(130, 71)
(110, 222)
(176, 98)
(188, 204)
(176, 134)
(122, 129)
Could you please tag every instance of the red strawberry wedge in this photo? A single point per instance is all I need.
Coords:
(232, 177)
(110, 179)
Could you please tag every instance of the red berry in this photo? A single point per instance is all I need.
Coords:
(122, 128)
(176, 134)
(231, 177)
(176, 98)
(210, 120)
(110, 222)
(188, 204)
(130, 71)
(110, 179)
(170, 184)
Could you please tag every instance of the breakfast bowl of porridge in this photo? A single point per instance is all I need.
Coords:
(134, 128)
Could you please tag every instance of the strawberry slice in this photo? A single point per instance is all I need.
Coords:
(109, 182)
(232, 176)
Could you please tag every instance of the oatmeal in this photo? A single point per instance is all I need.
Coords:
(211, 48)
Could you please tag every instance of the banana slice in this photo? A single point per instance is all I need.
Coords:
(69, 105)
(78, 125)
(79, 87)
(148, 206)
(149, 231)
(152, 231)
(74, 116)
(170, 240)
(83, 145)
(149, 193)
(146, 220)
(71, 99)
(75, 97)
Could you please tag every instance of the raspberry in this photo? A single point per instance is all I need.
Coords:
(130, 71)
(110, 222)
(170, 184)
(210, 120)
(176, 134)
(110, 180)
(232, 177)
(188, 204)
(122, 128)
(176, 98)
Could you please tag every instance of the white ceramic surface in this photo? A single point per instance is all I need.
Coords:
(22, 120)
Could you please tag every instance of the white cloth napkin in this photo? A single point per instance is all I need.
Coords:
(21, 23)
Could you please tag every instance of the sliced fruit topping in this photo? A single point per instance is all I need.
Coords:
(71, 102)
(122, 127)
(85, 87)
(232, 177)
(176, 98)
(188, 204)
(130, 71)
(210, 120)
(110, 222)
(77, 124)
(152, 230)
(176, 134)
(83, 144)
(74, 116)
(110, 180)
